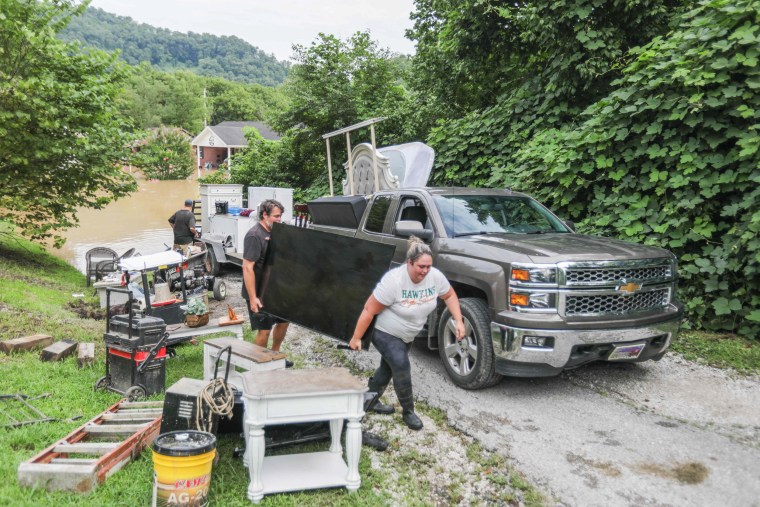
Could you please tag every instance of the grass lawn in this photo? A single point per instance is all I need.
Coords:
(35, 290)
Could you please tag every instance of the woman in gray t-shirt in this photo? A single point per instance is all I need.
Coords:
(402, 301)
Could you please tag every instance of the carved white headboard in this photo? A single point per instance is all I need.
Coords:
(364, 176)
(399, 166)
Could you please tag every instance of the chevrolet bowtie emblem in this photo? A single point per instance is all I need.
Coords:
(627, 288)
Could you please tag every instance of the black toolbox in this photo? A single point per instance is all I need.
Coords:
(135, 332)
(126, 369)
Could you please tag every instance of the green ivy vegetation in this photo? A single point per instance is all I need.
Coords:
(667, 157)
(670, 158)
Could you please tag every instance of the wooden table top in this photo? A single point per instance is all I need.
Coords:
(246, 349)
(292, 382)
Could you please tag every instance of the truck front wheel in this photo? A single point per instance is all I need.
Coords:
(469, 362)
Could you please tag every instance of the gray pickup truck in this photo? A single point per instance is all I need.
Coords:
(537, 298)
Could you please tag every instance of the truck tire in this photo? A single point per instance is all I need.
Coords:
(211, 264)
(469, 363)
(220, 290)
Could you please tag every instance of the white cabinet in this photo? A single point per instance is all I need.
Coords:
(211, 194)
(233, 226)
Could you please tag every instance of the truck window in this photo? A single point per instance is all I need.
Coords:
(377, 213)
(412, 208)
(465, 215)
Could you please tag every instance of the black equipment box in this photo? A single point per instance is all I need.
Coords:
(126, 369)
(171, 313)
(181, 407)
(142, 332)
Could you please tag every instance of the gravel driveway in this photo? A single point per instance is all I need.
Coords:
(659, 433)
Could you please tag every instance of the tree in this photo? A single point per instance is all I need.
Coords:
(164, 154)
(336, 83)
(61, 138)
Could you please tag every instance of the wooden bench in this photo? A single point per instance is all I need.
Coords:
(248, 356)
(179, 333)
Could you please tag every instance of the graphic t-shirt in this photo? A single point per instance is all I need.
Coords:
(408, 304)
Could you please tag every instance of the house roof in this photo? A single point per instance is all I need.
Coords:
(231, 133)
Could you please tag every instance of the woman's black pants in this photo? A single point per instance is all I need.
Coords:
(394, 364)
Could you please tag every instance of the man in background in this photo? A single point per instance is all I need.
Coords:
(183, 223)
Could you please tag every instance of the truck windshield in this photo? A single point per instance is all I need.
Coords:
(466, 215)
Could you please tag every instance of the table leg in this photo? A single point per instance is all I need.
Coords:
(336, 428)
(208, 368)
(353, 449)
(255, 452)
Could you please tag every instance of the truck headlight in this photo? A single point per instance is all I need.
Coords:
(532, 300)
(526, 274)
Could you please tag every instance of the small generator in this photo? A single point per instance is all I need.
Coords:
(192, 404)
(135, 354)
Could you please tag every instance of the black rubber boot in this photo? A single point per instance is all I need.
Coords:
(374, 405)
(406, 400)
(374, 441)
(411, 420)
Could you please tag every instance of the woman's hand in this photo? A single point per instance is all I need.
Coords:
(460, 329)
(355, 344)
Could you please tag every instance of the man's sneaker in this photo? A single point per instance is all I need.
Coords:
(382, 408)
(411, 420)
(374, 441)
(288, 364)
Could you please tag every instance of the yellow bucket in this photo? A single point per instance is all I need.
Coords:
(182, 461)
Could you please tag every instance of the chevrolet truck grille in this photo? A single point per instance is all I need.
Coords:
(615, 304)
(610, 275)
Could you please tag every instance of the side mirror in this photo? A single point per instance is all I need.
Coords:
(570, 224)
(408, 228)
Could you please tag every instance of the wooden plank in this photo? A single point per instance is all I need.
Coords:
(74, 461)
(245, 350)
(140, 404)
(86, 354)
(26, 343)
(113, 429)
(58, 350)
(86, 448)
(119, 416)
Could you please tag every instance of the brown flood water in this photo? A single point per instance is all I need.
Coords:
(138, 221)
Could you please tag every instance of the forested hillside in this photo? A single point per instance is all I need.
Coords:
(205, 54)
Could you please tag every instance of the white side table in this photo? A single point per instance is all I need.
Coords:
(245, 355)
(296, 396)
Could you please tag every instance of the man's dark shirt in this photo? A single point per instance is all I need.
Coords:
(255, 246)
(181, 222)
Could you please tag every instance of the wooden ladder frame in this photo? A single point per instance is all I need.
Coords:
(54, 469)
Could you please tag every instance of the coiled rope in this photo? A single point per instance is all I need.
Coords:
(220, 404)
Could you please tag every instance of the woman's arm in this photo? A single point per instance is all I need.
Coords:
(371, 308)
(452, 303)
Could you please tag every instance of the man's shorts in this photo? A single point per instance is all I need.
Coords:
(262, 321)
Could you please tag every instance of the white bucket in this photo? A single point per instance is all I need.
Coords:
(162, 292)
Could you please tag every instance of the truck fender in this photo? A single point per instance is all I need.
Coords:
(489, 284)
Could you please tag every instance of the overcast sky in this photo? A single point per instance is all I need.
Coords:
(275, 25)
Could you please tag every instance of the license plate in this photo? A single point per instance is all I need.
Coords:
(622, 352)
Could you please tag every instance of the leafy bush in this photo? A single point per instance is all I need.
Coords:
(671, 158)
(166, 155)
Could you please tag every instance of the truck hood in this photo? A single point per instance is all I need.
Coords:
(551, 248)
